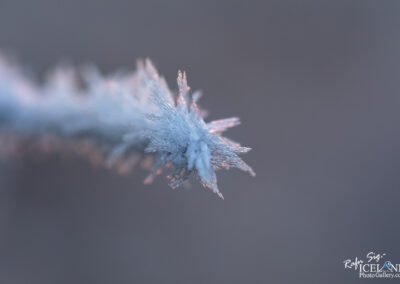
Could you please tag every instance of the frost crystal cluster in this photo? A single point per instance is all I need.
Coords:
(115, 121)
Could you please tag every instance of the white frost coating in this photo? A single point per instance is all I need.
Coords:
(122, 114)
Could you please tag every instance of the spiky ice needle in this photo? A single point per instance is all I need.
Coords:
(122, 114)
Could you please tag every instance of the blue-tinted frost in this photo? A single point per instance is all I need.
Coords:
(123, 114)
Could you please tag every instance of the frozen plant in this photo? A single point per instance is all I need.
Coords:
(115, 120)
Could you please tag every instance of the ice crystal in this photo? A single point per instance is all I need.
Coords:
(114, 119)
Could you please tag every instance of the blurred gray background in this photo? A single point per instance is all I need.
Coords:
(316, 84)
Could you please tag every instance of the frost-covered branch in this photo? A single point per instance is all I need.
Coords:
(116, 118)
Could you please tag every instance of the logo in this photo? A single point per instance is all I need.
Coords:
(374, 265)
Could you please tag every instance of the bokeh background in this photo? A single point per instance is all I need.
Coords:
(317, 86)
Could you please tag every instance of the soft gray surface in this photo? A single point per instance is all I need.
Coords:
(317, 87)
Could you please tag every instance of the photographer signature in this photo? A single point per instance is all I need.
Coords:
(371, 256)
